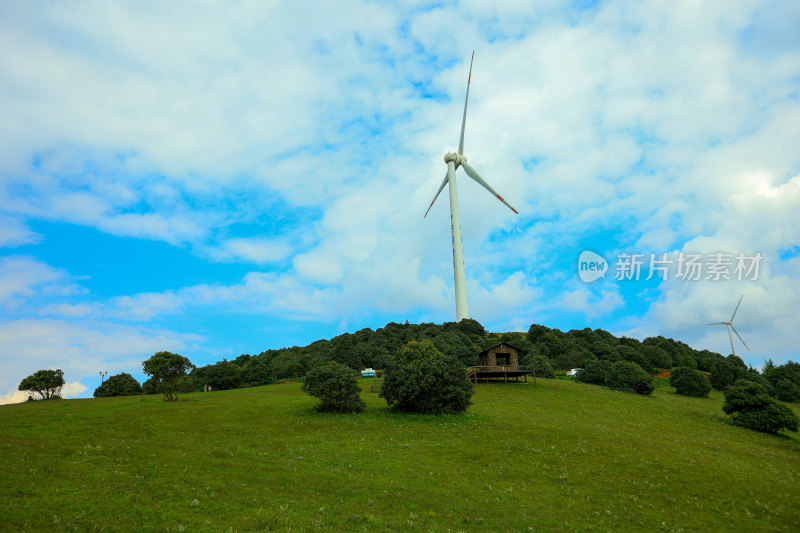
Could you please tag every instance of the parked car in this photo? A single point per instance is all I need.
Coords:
(573, 371)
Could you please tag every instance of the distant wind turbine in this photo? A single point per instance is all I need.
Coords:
(453, 162)
(729, 323)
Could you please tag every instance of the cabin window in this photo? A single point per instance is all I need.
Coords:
(502, 359)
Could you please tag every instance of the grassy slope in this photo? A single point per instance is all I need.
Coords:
(556, 457)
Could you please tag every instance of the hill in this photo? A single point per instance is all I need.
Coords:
(465, 339)
(557, 456)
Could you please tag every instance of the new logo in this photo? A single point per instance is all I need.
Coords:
(591, 266)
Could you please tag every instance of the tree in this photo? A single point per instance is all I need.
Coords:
(257, 372)
(43, 384)
(295, 370)
(689, 382)
(790, 371)
(122, 384)
(166, 368)
(222, 375)
(186, 384)
(543, 367)
(629, 377)
(787, 391)
(595, 372)
(150, 386)
(724, 373)
(423, 380)
(336, 385)
(750, 406)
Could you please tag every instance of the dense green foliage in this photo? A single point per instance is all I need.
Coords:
(750, 406)
(725, 372)
(787, 391)
(336, 385)
(222, 375)
(595, 372)
(689, 382)
(166, 368)
(540, 346)
(543, 367)
(424, 380)
(629, 377)
(786, 372)
(122, 384)
(43, 384)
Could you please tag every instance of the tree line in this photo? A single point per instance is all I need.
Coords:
(546, 349)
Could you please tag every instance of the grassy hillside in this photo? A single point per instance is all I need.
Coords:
(559, 456)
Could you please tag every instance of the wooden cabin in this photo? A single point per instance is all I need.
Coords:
(498, 357)
(500, 362)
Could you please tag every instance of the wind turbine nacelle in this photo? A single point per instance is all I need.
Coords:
(455, 158)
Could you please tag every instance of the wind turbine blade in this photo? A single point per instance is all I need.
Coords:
(740, 338)
(464, 120)
(715, 323)
(472, 173)
(733, 348)
(444, 182)
(737, 308)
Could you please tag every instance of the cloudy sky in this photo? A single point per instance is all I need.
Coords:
(225, 177)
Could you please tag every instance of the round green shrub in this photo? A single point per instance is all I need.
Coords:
(118, 385)
(594, 372)
(543, 367)
(750, 406)
(423, 380)
(787, 391)
(336, 385)
(689, 382)
(629, 377)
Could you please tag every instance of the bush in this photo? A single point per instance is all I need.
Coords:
(690, 382)
(628, 377)
(294, 370)
(594, 373)
(186, 384)
(724, 373)
(118, 385)
(754, 376)
(787, 391)
(150, 386)
(657, 357)
(543, 367)
(423, 380)
(750, 406)
(336, 385)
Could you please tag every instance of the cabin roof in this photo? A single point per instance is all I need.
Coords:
(499, 344)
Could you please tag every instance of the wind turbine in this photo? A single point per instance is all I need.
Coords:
(453, 162)
(729, 323)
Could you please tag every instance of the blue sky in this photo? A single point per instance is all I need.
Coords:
(222, 179)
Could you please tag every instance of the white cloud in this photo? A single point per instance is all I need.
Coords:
(15, 233)
(22, 277)
(584, 300)
(255, 250)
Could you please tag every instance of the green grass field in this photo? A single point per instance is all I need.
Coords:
(558, 456)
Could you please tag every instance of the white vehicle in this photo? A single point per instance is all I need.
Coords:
(573, 371)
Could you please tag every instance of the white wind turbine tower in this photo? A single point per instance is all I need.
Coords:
(453, 162)
(729, 323)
